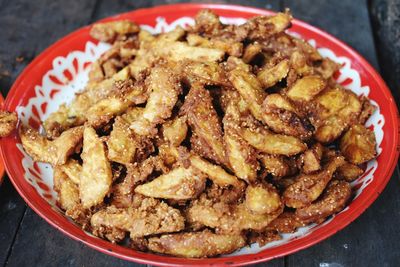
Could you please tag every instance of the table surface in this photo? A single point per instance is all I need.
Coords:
(371, 27)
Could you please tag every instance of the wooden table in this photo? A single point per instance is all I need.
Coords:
(371, 27)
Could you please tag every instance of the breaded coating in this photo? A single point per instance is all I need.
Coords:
(67, 190)
(96, 176)
(358, 144)
(122, 143)
(349, 172)
(55, 151)
(208, 72)
(308, 187)
(196, 244)
(277, 165)
(262, 198)
(109, 31)
(72, 169)
(151, 217)
(332, 201)
(205, 124)
(179, 184)
(174, 131)
(8, 122)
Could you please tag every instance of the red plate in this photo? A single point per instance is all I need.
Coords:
(40, 87)
(1, 157)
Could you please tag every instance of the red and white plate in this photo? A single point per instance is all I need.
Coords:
(62, 69)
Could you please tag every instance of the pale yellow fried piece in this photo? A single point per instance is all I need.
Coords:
(72, 169)
(67, 190)
(308, 187)
(251, 51)
(241, 156)
(358, 144)
(164, 89)
(282, 117)
(269, 76)
(177, 51)
(196, 244)
(306, 88)
(55, 151)
(132, 114)
(262, 199)
(179, 184)
(121, 143)
(151, 217)
(349, 172)
(311, 159)
(8, 122)
(108, 31)
(237, 63)
(298, 62)
(206, 127)
(332, 201)
(210, 73)
(278, 166)
(231, 48)
(271, 143)
(175, 131)
(96, 176)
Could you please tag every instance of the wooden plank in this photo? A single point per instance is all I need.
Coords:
(12, 209)
(386, 24)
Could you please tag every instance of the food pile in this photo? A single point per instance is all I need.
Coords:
(200, 141)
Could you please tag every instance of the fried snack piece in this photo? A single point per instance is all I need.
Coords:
(67, 190)
(175, 131)
(164, 90)
(271, 143)
(96, 176)
(271, 75)
(196, 244)
(241, 156)
(310, 160)
(56, 151)
(287, 222)
(206, 127)
(278, 166)
(231, 48)
(306, 88)
(122, 144)
(208, 72)
(367, 110)
(308, 187)
(109, 31)
(179, 184)
(8, 122)
(263, 237)
(358, 144)
(151, 217)
(251, 52)
(282, 117)
(72, 169)
(349, 172)
(337, 109)
(332, 201)
(262, 199)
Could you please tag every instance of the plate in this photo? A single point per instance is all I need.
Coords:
(62, 69)
(1, 156)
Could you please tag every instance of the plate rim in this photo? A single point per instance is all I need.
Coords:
(231, 260)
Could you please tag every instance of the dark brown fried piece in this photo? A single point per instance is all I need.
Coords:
(8, 122)
(263, 238)
(287, 222)
(349, 172)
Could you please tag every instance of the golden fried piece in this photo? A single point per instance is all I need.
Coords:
(367, 110)
(8, 122)
(72, 169)
(262, 199)
(231, 48)
(270, 75)
(308, 187)
(358, 144)
(332, 201)
(241, 156)
(306, 88)
(299, 63)
(179, 184)
(164, 90)
(175, 131)
(271, 143)
(56, 151)
(282, 117)
(121, 143)
(96, 176)
(349, 172)
(338, 108)
(196, 244)
(206, 127)
(287, 222)
(310, 160)
(206, 72)
(278, 166)
(251, 52)
(151, 217)
(109, 31)
(67, 190)
(327, 68)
